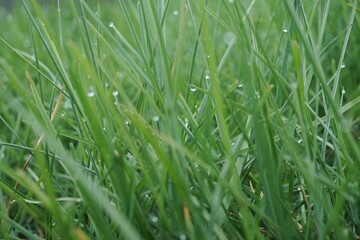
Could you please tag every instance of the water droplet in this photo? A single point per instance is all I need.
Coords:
(208, 56)
(104, 129)
(156, 118)
(127, 122)
(182, 237)
(207, 77)
(116, 153)
(192, 88)
(233, 143)
(229, 38)
(231, 1)
(189, 24)
(175, 13)
(111, 24)
(299, 227)
(343, 65)
(240, 85)
(186, 122)
(154, 219)
(343, 91)
(91, 93)
(115, 93)
(121, 75)
(26, 157)
(257, 95)
(27, 43)
(9, 17)
(284, 30)
(67, 104)
(129, 155)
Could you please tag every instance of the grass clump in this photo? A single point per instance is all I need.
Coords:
(180, 120)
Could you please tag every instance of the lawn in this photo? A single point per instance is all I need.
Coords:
(187, 119)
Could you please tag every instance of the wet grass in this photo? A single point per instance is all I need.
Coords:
(180, 120)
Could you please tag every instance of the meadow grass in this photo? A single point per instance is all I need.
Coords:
(180, 120)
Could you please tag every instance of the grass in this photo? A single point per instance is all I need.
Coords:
(180, 120)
